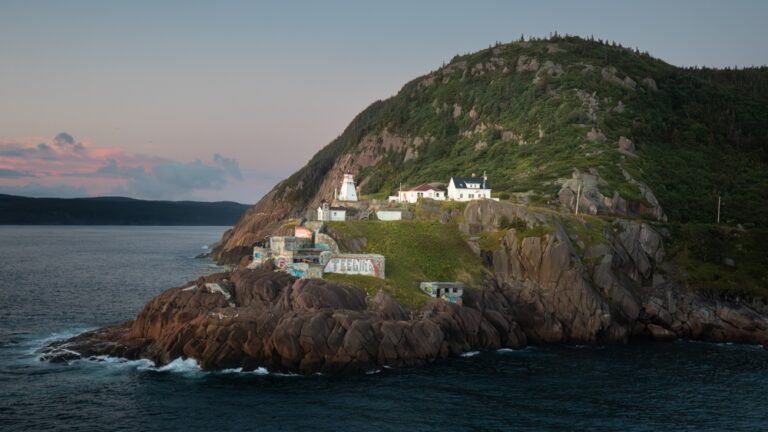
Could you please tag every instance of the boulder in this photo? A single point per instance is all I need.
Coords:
(626, 146)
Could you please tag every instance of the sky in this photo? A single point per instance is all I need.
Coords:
(221, 100)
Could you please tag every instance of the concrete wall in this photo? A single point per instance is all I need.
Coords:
(331, 215)
(449, 291)
(389, 215)
(282, 244)
(304, 271)
(260, 256)
(358, 264)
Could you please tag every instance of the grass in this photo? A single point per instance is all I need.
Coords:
(701, 250)
(491, 240)
(415, 251)
(409, 298)
(534, 231)
(588, 229)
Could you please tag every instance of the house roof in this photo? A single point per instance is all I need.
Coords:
(462, 182)
(424, 187)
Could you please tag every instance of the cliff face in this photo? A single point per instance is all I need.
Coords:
(549, 284)
(260, 221)
(608, 285)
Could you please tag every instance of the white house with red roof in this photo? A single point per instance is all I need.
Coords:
(414, 194)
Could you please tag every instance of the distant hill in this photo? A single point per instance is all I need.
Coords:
(17, 210)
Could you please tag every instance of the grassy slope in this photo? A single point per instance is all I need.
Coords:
(701, 250)
(415, 251)
(702, 134)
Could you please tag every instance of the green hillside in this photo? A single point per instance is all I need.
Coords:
(416, 251)
(530, 113)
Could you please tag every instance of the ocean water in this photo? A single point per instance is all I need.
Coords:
(58, 281)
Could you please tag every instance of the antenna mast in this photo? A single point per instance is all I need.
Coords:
(578, 198)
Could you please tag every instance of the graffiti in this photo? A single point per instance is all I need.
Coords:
(359, 264)
(452, 292)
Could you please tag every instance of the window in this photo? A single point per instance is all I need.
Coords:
(461, 195)
(471, 196)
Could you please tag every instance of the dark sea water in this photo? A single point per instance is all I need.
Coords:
(58, 281)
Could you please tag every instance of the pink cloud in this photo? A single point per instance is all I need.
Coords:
(63, 162)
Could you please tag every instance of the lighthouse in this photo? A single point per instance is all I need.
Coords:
(347, 191)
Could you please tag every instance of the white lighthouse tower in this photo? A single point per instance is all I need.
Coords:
(347, 191)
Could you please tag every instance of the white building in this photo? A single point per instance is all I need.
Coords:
(469, 188)
(327, 213)
(414, 194)
(389, 215)
(347, 191)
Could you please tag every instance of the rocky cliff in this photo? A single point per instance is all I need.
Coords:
(589, 281)
(552, 282)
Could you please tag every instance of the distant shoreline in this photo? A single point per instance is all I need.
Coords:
(116, 211)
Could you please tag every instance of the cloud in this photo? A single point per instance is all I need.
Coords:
(64, 140)
(12, 173)
(171, 180)
(74, 168)
(231, 165)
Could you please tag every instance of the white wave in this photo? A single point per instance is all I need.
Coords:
(372, 371)
(284, 374)
(204, 247)
(180, 365)
(469, 354)
(512, 350)
(109, 361)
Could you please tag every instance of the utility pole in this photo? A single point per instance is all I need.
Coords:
(578, 198)
(718, 209)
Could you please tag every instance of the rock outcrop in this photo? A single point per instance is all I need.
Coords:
(600, 283)
(612, 288)
(255, 318)
(593, 201)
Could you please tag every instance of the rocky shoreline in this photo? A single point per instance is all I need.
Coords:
(543, 289)
(257, 318)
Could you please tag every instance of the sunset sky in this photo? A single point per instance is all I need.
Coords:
(220, 100)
